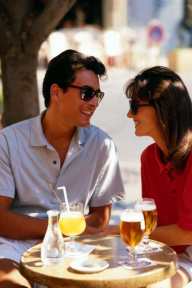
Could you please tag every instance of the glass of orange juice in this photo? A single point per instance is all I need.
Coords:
(72, 223)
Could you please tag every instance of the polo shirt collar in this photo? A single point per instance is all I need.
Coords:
(81, 136)
(37, 137)
(162, 166)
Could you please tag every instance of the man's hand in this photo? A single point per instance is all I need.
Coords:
(97, 219)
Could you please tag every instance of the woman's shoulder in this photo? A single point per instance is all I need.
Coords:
(148, 151)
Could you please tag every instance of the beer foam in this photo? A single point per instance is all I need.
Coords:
(132, 216)
(148, 206)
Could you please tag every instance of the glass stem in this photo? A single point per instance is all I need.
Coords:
(146, 239)
(132, 255)
(72, 241)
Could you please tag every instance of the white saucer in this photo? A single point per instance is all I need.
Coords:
(89, 265)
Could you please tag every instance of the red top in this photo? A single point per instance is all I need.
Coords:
(172, 192)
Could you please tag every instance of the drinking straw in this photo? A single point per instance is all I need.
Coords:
(65, 196)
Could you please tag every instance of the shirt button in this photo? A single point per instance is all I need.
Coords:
(54, 162)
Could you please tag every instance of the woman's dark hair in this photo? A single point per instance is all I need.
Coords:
(62, 69)
(165, 90)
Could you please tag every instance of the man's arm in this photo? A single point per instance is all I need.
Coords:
(172, 235)
(112, 230)
(17, 226)
(14, 225)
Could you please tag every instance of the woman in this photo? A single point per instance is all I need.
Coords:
(161, 108)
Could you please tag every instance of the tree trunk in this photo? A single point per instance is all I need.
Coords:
(19, 87)
(24, 25)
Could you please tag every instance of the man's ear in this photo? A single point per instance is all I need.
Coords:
(54, 92)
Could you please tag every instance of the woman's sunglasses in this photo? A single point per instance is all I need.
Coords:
(135, 105)
(87, 93)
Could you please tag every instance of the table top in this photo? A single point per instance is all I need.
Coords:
(109, 248)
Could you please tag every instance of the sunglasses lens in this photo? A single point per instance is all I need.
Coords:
(87, 93)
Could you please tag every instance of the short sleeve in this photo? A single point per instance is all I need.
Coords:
(7, 186)
(109, 185)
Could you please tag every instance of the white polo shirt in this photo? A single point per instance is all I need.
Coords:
(30, 169)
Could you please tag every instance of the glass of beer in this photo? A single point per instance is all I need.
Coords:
(148, 206)
(72, 223)
(132, 228)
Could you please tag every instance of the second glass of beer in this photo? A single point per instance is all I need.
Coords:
(132, 227)
(148, 206)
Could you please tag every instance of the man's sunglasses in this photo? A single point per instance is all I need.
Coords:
(135, 105)
(87, 93)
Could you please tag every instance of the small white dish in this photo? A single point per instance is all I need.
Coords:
(89, 265)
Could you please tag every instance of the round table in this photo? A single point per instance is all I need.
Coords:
(109, 248)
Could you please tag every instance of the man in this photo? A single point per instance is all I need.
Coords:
(57, 148)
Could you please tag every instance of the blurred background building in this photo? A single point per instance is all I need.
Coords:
(129, 33)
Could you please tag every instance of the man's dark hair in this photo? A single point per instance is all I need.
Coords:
(62, 69)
